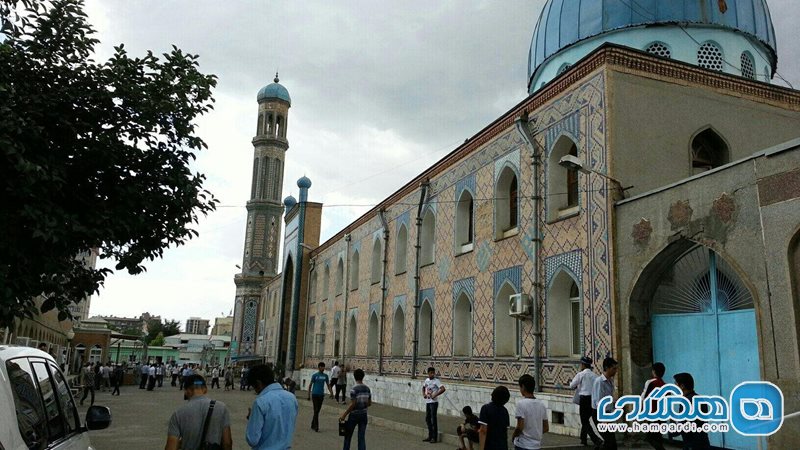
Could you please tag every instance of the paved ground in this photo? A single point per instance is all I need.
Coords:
(140, 422)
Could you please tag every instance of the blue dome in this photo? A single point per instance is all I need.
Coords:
(289, 201)
(274, 90)
(563, 23)
(304, 182)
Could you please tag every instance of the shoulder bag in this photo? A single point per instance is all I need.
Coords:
(204, 444)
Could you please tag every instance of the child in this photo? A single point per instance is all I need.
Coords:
(469, 430)
(531, 417)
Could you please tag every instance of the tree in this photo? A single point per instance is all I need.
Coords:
(93, 155)
(156, 327)
(158, 341)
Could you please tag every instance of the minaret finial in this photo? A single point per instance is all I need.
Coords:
(276, 77)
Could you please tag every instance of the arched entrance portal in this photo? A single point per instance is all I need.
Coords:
(703, 322)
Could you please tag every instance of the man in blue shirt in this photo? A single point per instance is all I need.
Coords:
(316, 393)
(271, 420)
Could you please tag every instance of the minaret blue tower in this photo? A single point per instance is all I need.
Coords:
(264, 214)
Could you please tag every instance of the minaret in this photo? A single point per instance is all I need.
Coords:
(264, 214)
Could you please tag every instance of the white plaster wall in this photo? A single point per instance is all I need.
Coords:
(407, 393)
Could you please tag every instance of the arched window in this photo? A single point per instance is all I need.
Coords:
(376, 262)
(427, 238)
(562, 181)
(326, 282)
(709, 56)
(270, 128)
(279, 127)
(399, 332)
(709, 151)
(352, 333)
(313, 287)
(462, 326)
(337, 336)
(425, 329)
(260, 124)
(506, 334)
(96, 354)
(354, 271)
(564, 334)
(659, 49)
(464, 222)
(310, 333)
(401, 250)
(748, 66)
(373, 341)
(320, 350)
(340, 277)
(506, 204)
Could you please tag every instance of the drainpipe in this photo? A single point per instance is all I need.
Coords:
(521, 124)
(383, 287)
(346, 287)
(423, 193)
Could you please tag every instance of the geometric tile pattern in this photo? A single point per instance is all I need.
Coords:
(570, 260)
(427, 294)
(513, 275)
(580, 113)
(468, 182)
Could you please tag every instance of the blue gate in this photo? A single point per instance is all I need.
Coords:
(704, 323)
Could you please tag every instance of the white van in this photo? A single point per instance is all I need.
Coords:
(37, 410)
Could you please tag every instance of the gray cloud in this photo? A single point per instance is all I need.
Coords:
(377, 87)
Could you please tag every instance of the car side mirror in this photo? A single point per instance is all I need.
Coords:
(98, 417)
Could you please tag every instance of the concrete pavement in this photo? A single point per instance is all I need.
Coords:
(140, 420)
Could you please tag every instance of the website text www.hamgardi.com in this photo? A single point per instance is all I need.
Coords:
(662, 428)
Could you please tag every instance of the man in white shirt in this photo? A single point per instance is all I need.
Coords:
(335, 372)
(531, 417)
(215, 377)
(432, 388)
(151, 377)
(583, 382)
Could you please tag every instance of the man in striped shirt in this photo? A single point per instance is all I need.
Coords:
(360, 400)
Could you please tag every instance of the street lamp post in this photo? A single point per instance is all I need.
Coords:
(575, 163)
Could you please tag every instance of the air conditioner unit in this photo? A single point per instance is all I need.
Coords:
(519, 305)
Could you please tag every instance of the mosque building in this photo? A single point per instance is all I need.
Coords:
(643, 202)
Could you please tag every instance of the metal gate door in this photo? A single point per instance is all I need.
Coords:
(704, 323)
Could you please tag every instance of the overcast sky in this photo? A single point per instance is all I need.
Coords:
(380, 91)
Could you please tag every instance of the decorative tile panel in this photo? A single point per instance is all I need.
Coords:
(513, 275)
(570, 260)
(466, 286)
(511, 157)
(468, 182)
(569, 126)
(427, 294)
(400, 301)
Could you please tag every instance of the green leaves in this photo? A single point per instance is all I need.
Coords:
(93, 155)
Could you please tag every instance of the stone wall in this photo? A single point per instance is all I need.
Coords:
(406, 393)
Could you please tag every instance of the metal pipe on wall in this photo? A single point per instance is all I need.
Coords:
(423, 193)
(521, 124)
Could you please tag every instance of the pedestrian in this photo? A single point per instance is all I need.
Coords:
(604, 387)
(356, 413)
(229, 379)
(160, 374)
(186, 372)
(243, 378)
(468, 431)
(531, 417)
(88, 382)
(271, 419)
(151, 377)
(105, 371)
(215, 377)
(290, 385)
(341, 384)
(432, 388)
(144, 371)
(316, 393)
(697, 440)
(335, 371)
(494, 421)
(98, 376)
(200, 423)
(117, 378)
(654, 438)
(582, 383)
(175, 372)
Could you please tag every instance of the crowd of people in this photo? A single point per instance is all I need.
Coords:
(271, 419)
